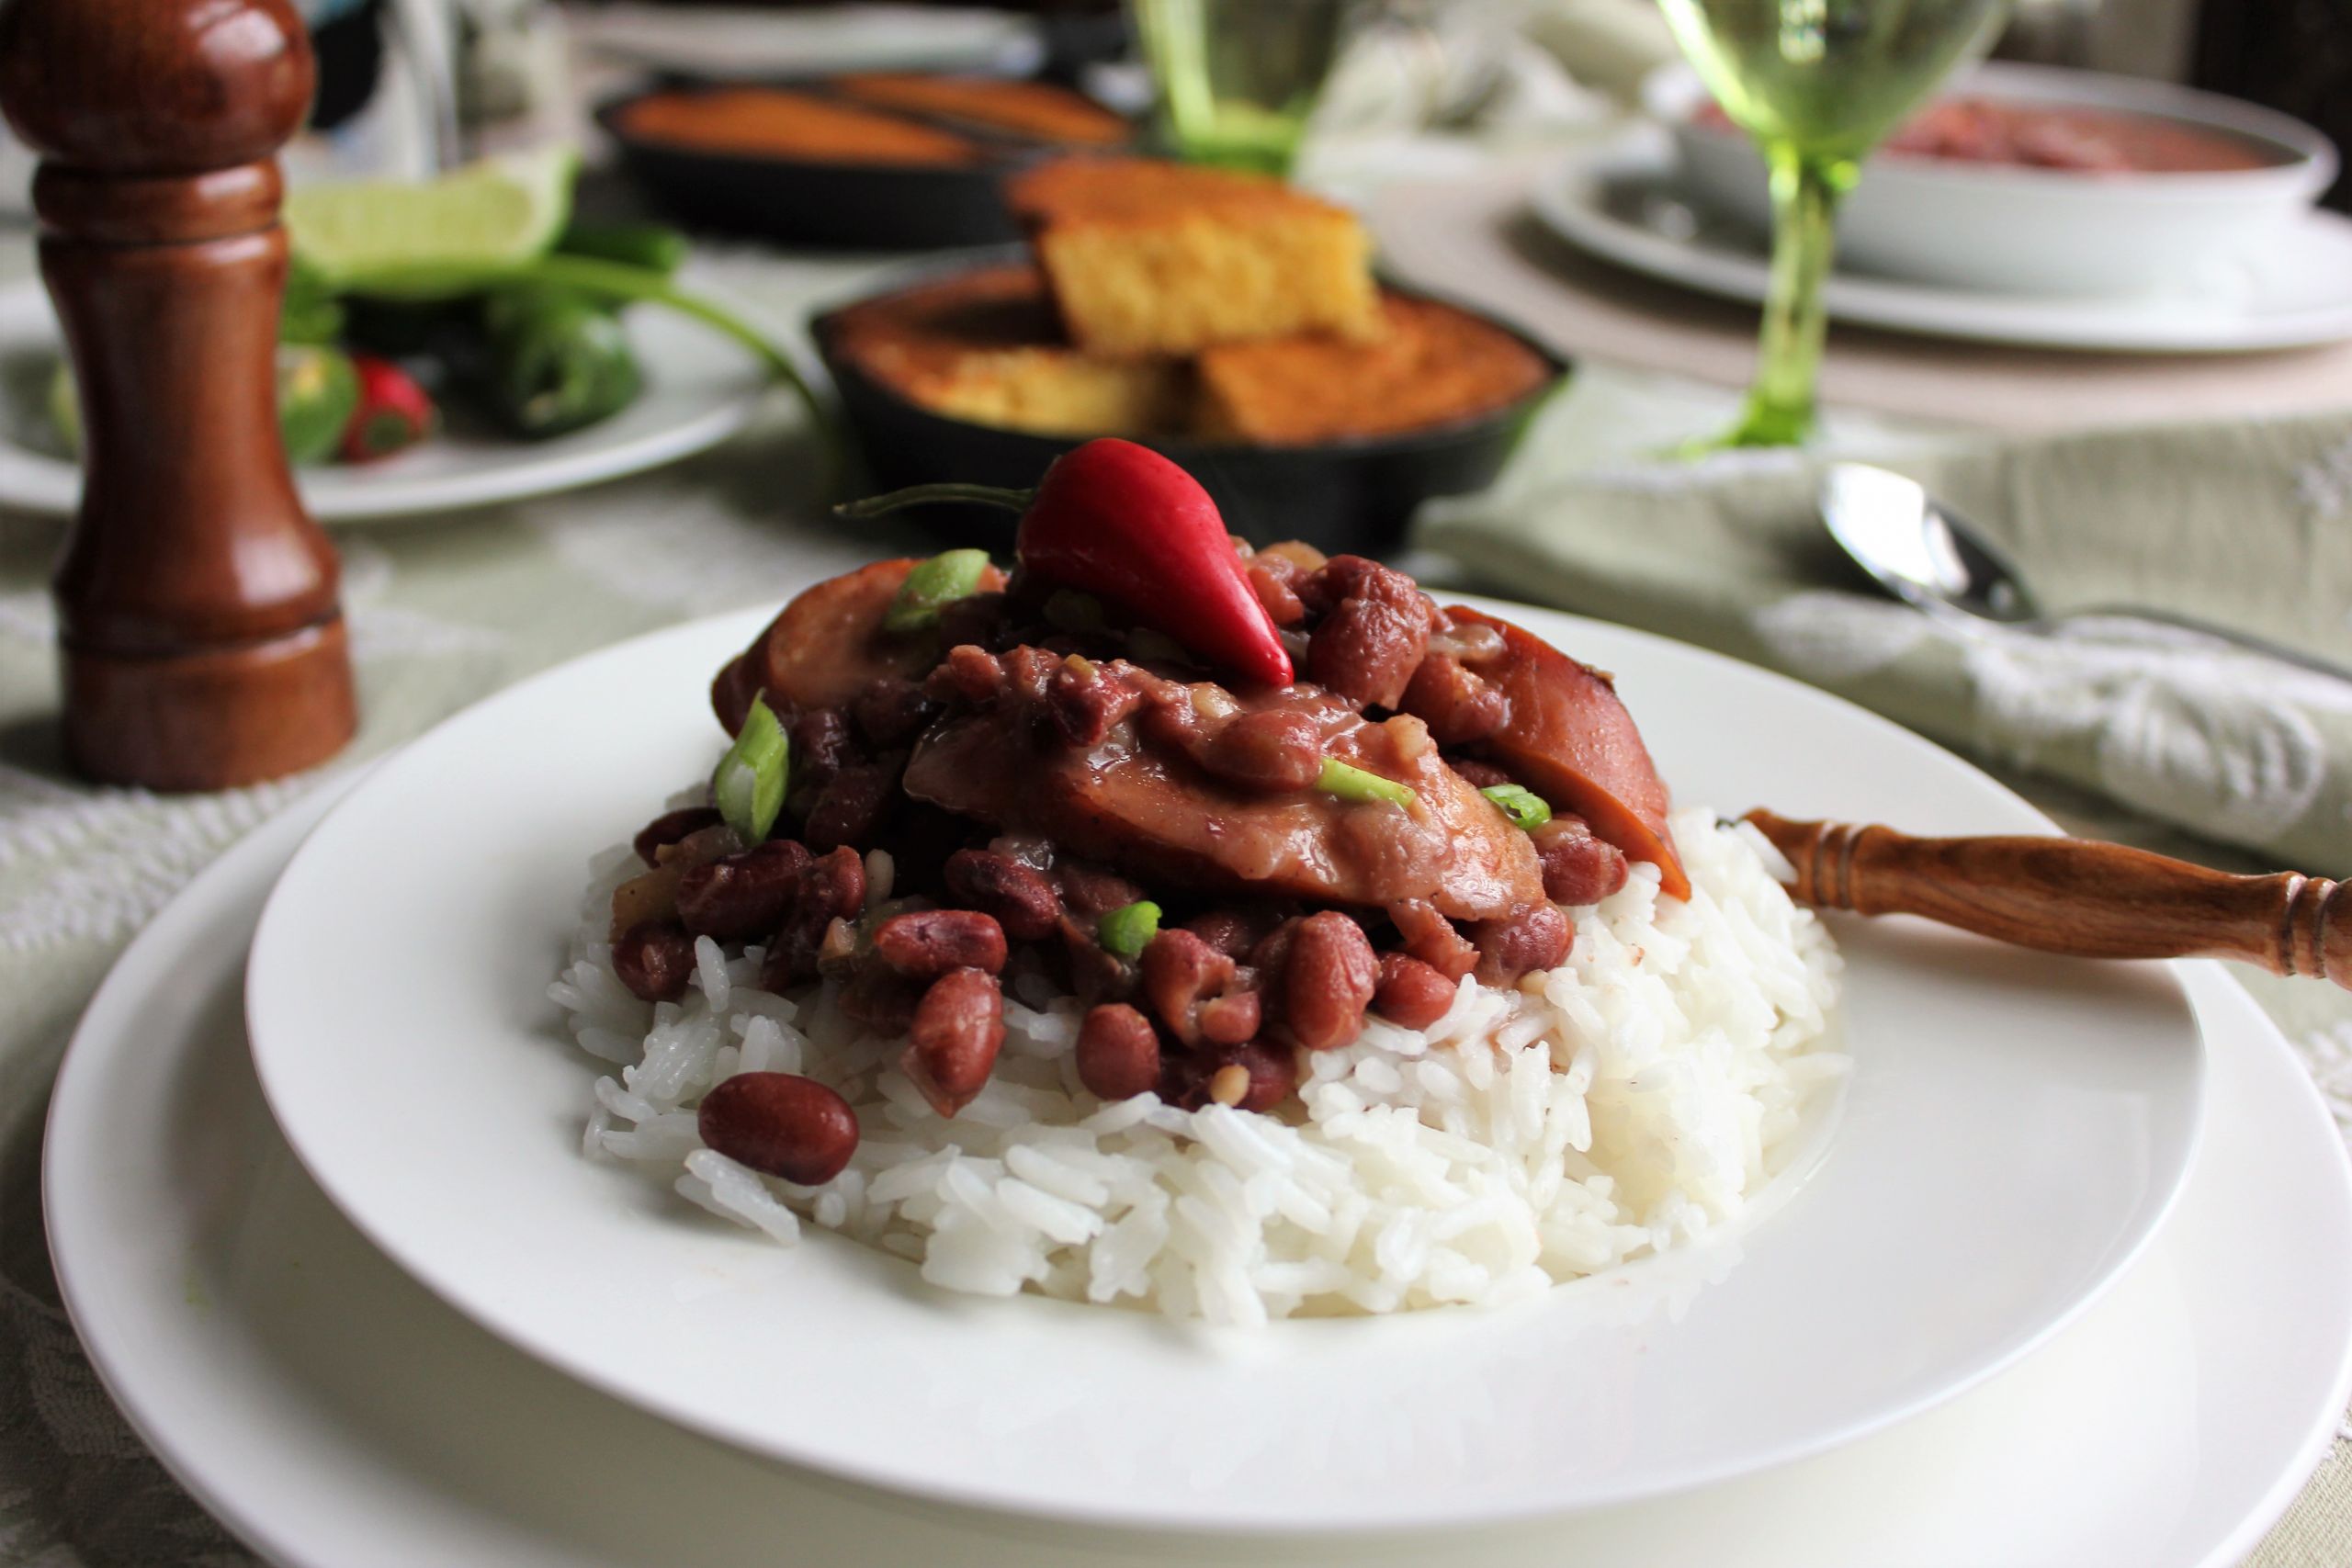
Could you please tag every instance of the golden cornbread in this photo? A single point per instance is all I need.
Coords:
(1148, 257)
(985, 346)
(1035, 110)
(1434, 365)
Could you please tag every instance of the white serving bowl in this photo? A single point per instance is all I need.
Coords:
(2031, 230)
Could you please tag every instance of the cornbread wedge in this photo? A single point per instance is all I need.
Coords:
(985, 346)
(1148, 257)
(1434, 366)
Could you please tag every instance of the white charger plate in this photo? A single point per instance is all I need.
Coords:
(700, 387)
(334, 1414)
(2015, 1128)
(1622, 202)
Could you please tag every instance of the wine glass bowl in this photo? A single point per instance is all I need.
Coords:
(1817, 84)
(1236, 80)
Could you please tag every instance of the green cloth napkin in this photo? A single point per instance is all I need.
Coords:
(2249, 525)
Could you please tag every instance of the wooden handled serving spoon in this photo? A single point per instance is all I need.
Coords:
(2076, 896)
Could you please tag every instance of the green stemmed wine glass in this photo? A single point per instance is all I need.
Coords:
(1817, 84)
(1238, 79)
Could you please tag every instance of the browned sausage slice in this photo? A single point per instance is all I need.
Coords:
(828, 646)
(1154, 815)
(1570, 738)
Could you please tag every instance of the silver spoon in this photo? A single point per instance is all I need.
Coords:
(1931, 557)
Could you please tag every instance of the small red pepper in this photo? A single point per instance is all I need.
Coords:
(393, 411)
(1124, 524)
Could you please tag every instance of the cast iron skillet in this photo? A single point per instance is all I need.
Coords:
(1354, 495)
(892, 206)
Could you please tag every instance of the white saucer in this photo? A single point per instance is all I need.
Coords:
(1622, 201)
(333, 1412)
(407, 950)
(700, 389)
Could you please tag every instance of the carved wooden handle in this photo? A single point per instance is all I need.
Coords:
(2073, 896)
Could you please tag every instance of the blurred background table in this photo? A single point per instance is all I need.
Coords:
(444, 609)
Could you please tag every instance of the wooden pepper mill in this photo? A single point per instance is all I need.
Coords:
(201, 641)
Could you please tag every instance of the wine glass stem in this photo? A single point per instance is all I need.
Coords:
(1805, 192)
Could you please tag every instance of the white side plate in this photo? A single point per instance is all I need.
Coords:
(700, 389)
(2016, 1127)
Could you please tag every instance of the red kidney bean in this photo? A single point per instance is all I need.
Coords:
(891, 711)
(1578, 867)
(781, 1125)
(743, 896)
(1230, 931)
(976, 619)
(1365, 652)
(957, 1029)
(1019, 898)
(1481, 775)
(1432, 938)
(1459, 706)
(1089, 890)
(820, 747)
(1271, 578)
(1180, 972)
(1088, 699)
(925, 944)
(1410, 993)
(969, 673)
(1272, 750)
(732, 692)
(1231, 1019)
(1328, 981)
(832, 888)
(835, 882)
(1371, 642)
(1272, 1072)
(671, 827)
(880, 998)
(1118, 1052)
(1096, 974)
(1535, 937)
(655, 959)
(850, 807)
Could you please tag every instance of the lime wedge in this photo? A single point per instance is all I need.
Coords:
(497, 213)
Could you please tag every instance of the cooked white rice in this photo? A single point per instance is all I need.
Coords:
(1632, 1099)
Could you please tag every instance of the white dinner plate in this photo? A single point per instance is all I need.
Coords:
(2015, 1128)
(700, 387)
(338, 1416)
(1622, 201)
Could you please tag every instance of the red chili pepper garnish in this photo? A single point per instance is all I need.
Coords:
(1124, 524)
(393, 411)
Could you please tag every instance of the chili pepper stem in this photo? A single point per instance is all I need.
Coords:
(921, 495)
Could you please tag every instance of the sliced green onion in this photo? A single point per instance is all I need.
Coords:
(1073, 611)
(1354, 783)
(1128, 930)
(748, 788)
(933, 584)
(1525, 808)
